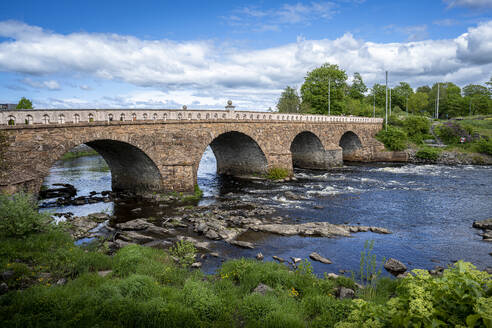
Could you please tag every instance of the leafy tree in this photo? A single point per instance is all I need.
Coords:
(380, 92)
(358, 88)
(400, 93)
(289, 101)
(418, 102)
(314, 91)
(489, 85)
(424, 89)
(475, 90)
(24, 103)
(450, 102)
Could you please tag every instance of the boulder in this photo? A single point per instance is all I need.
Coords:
(212, 235)
(394, 266)
(259, 257)
(332, 275)
(277, 258)
(243, 244)
(483, 224)
(196, 265)
(262, 289)
(132, 236)
(61, 281)
(343, 293)
(315, 256)
(295, 260)
(4, 288)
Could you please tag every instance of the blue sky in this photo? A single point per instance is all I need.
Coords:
(166, 53)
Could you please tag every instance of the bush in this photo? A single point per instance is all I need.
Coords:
(393, 139)
(277, 173)
(19, 216)
(428, 153)
(484, 146)
(184, 251)
(461, 297)
(416, 127)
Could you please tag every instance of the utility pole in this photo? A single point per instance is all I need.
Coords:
(437, 102)
(390, 102)
(386, 103)
(329, 96)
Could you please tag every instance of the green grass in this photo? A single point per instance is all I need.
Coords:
(277, 173)
(147, 288)
(76, 154)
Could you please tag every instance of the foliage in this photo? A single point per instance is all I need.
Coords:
(289, 101)
(277, 173)
(416, 127)
(484, 146)
(24, 103)
(451, 132)
(358, 88)
(369, 271)
(76, 154)
(461, 297)
(185, 252)
(394, 138)
(428, 153)
(418, 102)
(314, 90)
(19, 216)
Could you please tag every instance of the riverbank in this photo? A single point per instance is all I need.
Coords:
(48, 281)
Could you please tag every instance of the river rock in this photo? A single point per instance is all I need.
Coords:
(315, 256)
(290, 195)
(262, 289)
(343, 293)
(243, 244)
(277, 258)
(380, 230)
(295, 260)
(259, 257)
(132, 236)
(196, 265)
(80, 226)
(104, 273)
(61, 281)
(4, 288)
(483, 224)
(212, 235)
(332, 275)
(394, 266)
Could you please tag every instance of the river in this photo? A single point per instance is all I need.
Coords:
(429, 209)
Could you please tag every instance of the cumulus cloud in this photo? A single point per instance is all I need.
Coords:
(207, 74)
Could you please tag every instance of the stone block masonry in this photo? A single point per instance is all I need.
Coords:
(148, 154)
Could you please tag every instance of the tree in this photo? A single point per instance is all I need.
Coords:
(418, 101)
(400, 93)
(472, 90)
(424, 89)
(289, 101)
(380, 92)
(489, 85)
(24, 103)
(314, 90)
(358, 88)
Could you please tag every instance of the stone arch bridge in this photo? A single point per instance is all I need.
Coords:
(160, 150)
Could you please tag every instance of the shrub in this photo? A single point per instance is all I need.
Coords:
(202, 300)
(277, 173)
(461, 297)
(185, 251)
(428, 153)
(19, 216)
(416, 127)
(484, 146)
(393, 139)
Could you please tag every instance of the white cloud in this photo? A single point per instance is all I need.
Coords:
(50, 85)
(207, 74)
(472, 4)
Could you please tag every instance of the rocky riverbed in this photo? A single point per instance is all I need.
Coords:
(202, 225)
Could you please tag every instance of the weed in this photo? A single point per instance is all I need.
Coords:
(277, 173)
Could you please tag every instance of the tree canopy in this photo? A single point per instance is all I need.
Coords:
(289, 101)
(24, 103)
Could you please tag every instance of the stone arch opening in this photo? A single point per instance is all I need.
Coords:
(131, 170)
(308, 151)
(350, 143)
(238, 155)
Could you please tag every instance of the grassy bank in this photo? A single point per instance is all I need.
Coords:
(148, 288)
(76, 154)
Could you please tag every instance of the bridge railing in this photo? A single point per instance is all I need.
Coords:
(85, 116)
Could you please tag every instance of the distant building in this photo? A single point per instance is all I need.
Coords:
(8, 106)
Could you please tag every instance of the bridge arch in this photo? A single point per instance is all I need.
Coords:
(307, 151)
(350, 143)
(131, 168)
(237, 154)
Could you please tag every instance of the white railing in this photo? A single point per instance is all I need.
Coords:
(74, 116)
